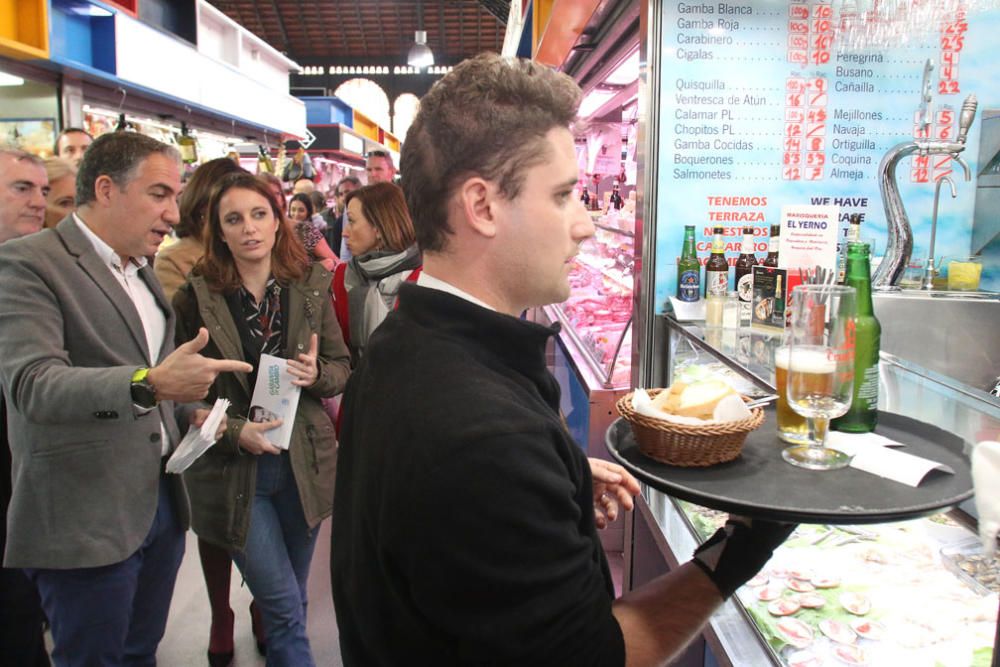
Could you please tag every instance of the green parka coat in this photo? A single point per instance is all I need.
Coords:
(222, 482)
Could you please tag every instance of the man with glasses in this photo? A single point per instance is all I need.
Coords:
(336, 216)
(380, 168)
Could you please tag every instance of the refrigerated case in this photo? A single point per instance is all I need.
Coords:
(927, 594)
(591, 356)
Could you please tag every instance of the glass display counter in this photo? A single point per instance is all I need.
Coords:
(591, 357)
(916, 592)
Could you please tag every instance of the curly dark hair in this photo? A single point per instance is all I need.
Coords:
(487, 117)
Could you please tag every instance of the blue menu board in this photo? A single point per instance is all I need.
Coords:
(763, 104)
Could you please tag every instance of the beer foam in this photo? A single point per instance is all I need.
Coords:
(811, 359)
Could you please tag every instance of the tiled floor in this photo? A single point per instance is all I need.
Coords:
(186, 639)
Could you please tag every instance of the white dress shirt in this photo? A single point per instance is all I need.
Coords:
(154, 320)
(426, 280)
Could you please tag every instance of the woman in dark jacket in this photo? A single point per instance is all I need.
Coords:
(256, 294)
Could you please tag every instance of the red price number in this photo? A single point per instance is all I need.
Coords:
(791, 174)
(822, 11)
(792, 159)
(919, 176)
(814, 173)
(815, 159)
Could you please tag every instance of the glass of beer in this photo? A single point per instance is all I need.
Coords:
(792, 427)
(820, 369)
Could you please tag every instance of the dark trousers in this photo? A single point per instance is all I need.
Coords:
(115, 614)
(22, 642)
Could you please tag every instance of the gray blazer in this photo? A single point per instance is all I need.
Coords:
(85, 467)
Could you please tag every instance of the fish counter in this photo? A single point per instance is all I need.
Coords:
(917, 592)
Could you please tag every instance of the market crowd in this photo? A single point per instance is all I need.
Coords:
(465, 517)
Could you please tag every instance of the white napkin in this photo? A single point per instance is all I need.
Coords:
(198, 440)
(875, 454)
(986, 481)
(730, 408)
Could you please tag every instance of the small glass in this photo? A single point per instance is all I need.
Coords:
(964, 274)
(913, 274)
(731, 311)
(714, 309)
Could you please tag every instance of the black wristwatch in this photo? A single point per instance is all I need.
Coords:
(143, 393)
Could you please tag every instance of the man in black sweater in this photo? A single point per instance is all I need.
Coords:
(465, 517)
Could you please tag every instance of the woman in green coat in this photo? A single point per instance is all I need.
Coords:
(256, 294)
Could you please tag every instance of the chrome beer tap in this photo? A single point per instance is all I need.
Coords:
(900, 244)
(930, 271)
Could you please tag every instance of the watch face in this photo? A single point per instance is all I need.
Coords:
(143, 395)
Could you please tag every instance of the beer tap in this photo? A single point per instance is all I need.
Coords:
(930, 271)
(900, 244)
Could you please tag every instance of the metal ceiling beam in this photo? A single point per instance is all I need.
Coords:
(361, 26)
(281, 26)
(378, 19)
(303, 25)
(260, 22)
(442, 48)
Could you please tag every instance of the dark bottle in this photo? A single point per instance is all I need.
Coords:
(616, 200)
(744, 273)
(772, 247)
(863, 413)
(688, 269)
(585, 198)
(717, 268)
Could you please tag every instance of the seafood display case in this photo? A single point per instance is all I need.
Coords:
(916, 592)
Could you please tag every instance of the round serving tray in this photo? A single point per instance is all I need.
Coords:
(760, 484)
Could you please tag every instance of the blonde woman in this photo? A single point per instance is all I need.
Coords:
(61, 199)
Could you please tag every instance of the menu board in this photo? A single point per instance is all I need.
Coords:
(766, 104)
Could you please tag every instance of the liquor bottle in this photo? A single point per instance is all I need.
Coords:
(585, 198)
(863, 413)
(772, 247)
(187, 146)
(778, 316)
(264, 164)
(688, 269)
(717, 268)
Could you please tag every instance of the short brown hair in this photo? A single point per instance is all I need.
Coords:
(487, 117)
(288, 257)
(385, 208)
(193, 203)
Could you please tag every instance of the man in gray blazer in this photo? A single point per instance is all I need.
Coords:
(91, 378)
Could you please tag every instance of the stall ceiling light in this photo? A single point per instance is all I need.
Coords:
(593, 101)
(10, 80)
(626, 72)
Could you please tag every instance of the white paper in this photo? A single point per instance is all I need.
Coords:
(808, 236)
(275, 397)
(687, 311)
(198, 440)
(877, 455)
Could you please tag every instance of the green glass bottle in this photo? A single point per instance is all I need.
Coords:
(863, 414)
(689, 269)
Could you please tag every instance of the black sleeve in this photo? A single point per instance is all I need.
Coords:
(492, 547)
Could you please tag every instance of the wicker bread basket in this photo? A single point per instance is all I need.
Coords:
(687, 445)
